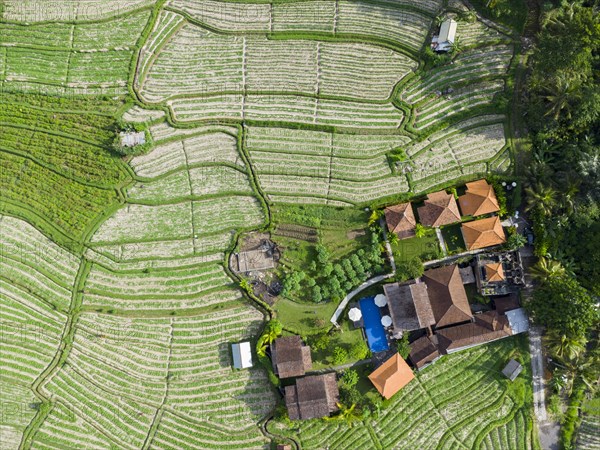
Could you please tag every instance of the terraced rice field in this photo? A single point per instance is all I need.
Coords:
(117, 306)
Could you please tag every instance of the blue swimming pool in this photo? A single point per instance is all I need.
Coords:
(373, 328)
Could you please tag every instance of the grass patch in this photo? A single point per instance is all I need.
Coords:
(426, 248)
(301, 318)
(453, 237)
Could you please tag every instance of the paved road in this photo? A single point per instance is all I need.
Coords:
(537, 370)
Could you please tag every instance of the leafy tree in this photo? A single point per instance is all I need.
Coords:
(350, 378)
(317, 294)
(562, 304)
(393, 238)
(359, 350)
(410, 269)
(515, 241)
(322, 254)
(404, 346)
(340, 356)
(321, 342)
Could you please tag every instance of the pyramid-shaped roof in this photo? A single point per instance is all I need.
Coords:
(440, 208)
(391, 376)
(494, 272)
(479, 199)
(447, 296)
(483, 233)
(400, 219)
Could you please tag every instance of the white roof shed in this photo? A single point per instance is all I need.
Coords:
(242, 355)
(447, 31)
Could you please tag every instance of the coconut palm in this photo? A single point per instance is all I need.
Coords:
(456, 46)
(393, 238)
(375, 216)
(547, 268)
(565, 348)
(420, 230)
(542, 198)
(346, 414)
(559, 94)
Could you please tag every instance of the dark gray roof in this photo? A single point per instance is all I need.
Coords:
(512, 370)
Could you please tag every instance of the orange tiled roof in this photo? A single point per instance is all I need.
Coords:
(400, 219)
(494, 272)
(483, 233)
(479, 199)
(391, 376)
(440, 209)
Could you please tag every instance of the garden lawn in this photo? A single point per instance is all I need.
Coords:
(426, 248)
(453, 237)
(301, 317)
(345, 338)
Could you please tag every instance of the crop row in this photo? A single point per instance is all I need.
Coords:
(460, 100)
(305, 142)
(121, 370)
(287, 108)
(197, 61)
(335, 189)
(396, 21)
(175, 432)
(65, 203)
(179, 221)
(198, 181)
(459, 150)
(468, 66)
(161, 253)
(477, 33)
(211, 147)
(136, 114)
(78, 10)
(164, 132)
(587, 435)
(64, 429)
(118, 33)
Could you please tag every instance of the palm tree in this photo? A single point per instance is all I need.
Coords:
(456, 46)
(542, 198)
(559, 93)
(547, 268)
(420, 230)
(375, 216)
(393, 238)
(565, 348)
(346, 414)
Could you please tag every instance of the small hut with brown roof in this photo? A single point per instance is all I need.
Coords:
(400, 219)
(440, 208)
(424, 351)
(487, 327)
(447, 296)
(483, 233)
(291, 358)
(479, 199)
(391, 376)
(494, 272)
(312, 397)
(409, 306)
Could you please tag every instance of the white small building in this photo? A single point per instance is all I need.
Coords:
(443, 42)
(242, 355)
